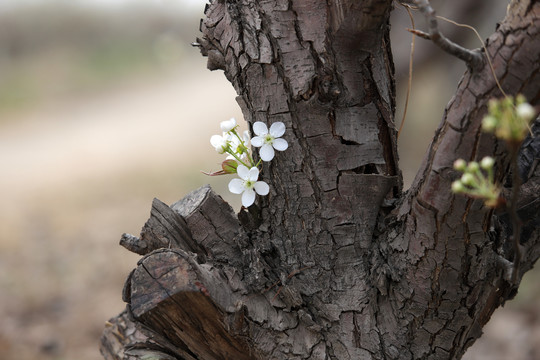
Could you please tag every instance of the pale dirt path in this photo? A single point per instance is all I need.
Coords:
(159, 119)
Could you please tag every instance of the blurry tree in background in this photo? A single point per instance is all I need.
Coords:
(84, 48)
(338, 262)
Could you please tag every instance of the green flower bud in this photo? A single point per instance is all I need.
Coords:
(467, 179)
(460, 165)
(489, 123)
(458, 187)
(487, 163)
(473, 166)
(229, 166)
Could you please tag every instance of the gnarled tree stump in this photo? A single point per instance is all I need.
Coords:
(337, 262)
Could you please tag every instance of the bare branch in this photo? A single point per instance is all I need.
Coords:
(473, 58)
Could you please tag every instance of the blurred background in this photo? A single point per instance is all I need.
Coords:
(104, 105)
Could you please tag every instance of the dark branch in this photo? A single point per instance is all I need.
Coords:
(472, 58)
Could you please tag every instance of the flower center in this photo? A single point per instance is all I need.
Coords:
(248, 184)
(268, 139)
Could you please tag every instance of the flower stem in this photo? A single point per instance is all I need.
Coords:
(237, 158)
(251, 162)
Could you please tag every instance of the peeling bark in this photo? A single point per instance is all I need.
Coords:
(337, 262)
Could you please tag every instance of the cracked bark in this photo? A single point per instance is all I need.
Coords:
(337, 262)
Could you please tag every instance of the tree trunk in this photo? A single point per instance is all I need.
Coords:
(337, 262)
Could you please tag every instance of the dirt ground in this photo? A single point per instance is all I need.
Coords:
(77, 174)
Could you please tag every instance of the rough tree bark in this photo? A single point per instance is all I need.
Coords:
(337, 262)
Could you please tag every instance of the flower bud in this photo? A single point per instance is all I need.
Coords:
(467, 179)
(473, 166)
(489, 123)
(229, 166)
(487, 163)
(460, 165)
(219, 143)
(228, 125)
(458, 187)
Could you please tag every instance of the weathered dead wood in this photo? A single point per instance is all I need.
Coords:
(164, 229)
(213, 225)
(174, 299)
(124, 338)
(170, 294)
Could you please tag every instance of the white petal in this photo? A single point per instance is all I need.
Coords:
(234, 144)
(228, 125)
(262, 188)
(228, 136)
(259, 128)
(246, 137)
(277, 129)
(257, 141)
(216, 140)
(236, 186)
(253, 174)
(280, 144)
(248, 197)
(243, 172)
(219, 143)
(526, 111)
(267, 152)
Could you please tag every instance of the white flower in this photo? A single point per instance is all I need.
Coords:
(228, 125)
(268, 141)
(220, 143)
(248, 185)
(239, 148)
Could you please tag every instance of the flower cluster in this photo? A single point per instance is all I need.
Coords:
(509, 118)
(475, 183)
(240, 159)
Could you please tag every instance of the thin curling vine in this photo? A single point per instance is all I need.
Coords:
(509, 119)
(240, 159)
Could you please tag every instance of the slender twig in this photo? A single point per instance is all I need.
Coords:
(483, 47)
(420, 33)
(472, 58)
(409, 82)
